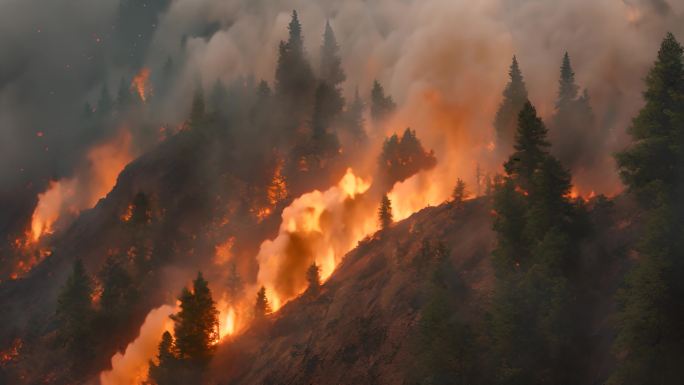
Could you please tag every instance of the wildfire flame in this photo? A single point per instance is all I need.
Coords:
(140, 84)
(131, 367)
(318, 226)
(84, 189)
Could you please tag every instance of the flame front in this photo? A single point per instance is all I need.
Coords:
(317, 227)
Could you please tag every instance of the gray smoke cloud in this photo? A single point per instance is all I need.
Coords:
(443, 61)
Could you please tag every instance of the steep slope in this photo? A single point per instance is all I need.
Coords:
(360, 328)
(364, 325)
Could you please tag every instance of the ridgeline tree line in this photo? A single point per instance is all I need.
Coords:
(535, 331)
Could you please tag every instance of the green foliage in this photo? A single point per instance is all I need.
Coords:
(75, 314)
(649, 340)
(196, 325)
(381, 105)
(385, 213)
(531, 147)
(514, 98)
(530, 326)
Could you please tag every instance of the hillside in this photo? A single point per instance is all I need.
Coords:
(363, 327)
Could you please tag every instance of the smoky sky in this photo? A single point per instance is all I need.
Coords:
(56, 55)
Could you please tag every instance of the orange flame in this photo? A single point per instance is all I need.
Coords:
(140, 84)
(84, 189)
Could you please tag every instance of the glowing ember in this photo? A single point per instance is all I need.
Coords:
(9, 355)
(140, 84)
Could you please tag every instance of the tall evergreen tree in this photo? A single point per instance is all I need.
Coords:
(261, 308)
(573, 128)
(531, 317)
(294, 78)
(385, 213)
(514, 98)
(234, 285)
(459, 194)
(649, 343)
(75, 314)
(331, 64)
(118, 291)
(165, 370)
(196, 325)
(381, 105)
(530, 147)
(354, 118)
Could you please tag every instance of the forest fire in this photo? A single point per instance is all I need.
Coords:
(317, 227)
(140, 84)
(71, 195)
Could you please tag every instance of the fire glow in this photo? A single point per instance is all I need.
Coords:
(318, 227)
(140, 84)
(83, 190)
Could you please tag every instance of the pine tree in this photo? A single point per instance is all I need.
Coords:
(118, 291)
(530, 147)
(331, 65)
(294, 78)
(75, 314)
(381, 105)
(649, 339)
(385, 213)
(165, 370)
(459, 194)
(261, 308)
(531, 317)
(567, 89)
(327, 106)
(354, 118)
(313, 277)
(514, 98)
(196, 325)
(573, 128)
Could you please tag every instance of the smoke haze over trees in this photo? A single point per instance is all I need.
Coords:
(306, 156)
